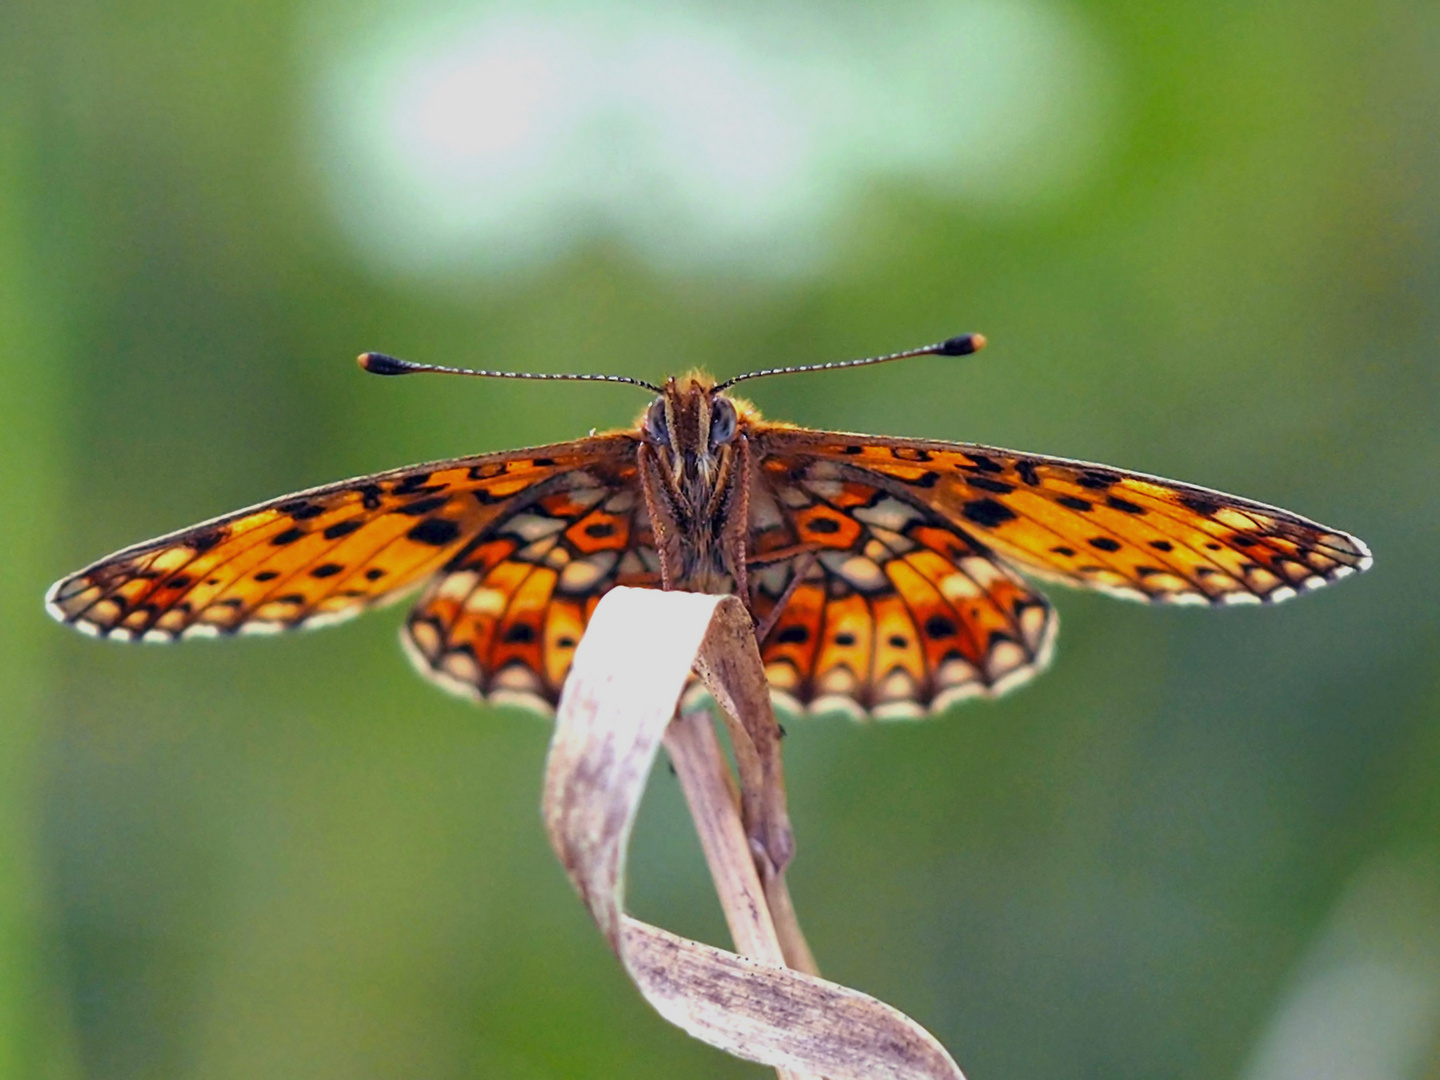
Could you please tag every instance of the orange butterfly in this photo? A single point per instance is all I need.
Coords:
(882, 572)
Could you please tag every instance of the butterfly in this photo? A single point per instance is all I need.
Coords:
(886, 576)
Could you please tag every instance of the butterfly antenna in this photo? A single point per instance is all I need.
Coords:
(380, 364)
(963, 345)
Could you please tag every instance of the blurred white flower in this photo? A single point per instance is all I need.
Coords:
(702, 137)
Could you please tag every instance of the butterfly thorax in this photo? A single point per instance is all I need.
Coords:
(694, 467)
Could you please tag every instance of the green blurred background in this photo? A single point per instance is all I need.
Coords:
(1204, 241)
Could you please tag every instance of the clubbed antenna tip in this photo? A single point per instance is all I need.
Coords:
(380, 364)
(962, 345)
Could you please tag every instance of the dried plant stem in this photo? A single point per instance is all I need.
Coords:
(715, 806)
(617, 708)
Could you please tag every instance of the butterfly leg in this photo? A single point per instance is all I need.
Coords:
(803, 564)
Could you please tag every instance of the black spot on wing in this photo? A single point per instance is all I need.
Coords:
(1074, 503)
(987, 512)
(412, 484)
(435, 531)
(1097, 479)
(1115, 502)
(289, 536)
(424, 506)
(1104, 543)
(301, 509)
(985, 483)
(340, 528)
(938, 626)
(1201, 504)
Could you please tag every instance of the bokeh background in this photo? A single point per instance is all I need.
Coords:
(1204, 240)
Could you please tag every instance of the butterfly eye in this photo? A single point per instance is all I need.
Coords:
(722, 422)
(655, 425)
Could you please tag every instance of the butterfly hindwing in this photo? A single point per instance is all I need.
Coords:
(503, 619)
(321, 555)
(1125, 533)
(895, 611)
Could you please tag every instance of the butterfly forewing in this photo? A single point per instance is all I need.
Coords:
(1125, 533)
(317, 556)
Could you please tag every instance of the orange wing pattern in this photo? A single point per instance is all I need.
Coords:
(892, 611)
(1124, 533)
(503, 619)
(322, 555)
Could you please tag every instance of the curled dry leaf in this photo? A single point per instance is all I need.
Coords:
(629, 672)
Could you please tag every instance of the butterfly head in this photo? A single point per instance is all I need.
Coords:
(693, 428)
